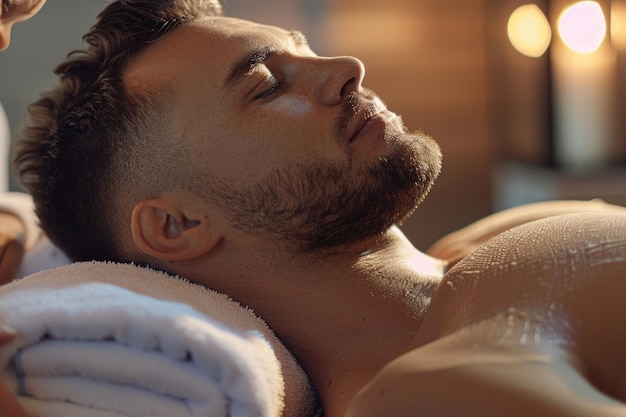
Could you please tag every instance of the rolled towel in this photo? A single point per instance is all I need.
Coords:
(104, 339)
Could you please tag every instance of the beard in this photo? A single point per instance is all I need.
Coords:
(325, 205)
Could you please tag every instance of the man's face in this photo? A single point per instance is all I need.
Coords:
(15, 11)
(283, 141)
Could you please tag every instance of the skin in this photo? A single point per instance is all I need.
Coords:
(526, 325)
(15, 11)
(10, 407)
(381, 327)
(252, 127)
(203, 237)
(11, 246)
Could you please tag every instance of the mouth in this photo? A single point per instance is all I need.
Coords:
(371, 118)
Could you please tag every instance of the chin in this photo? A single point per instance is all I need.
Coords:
(416, 160)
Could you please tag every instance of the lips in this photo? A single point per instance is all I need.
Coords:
(366, 116)
(372, 116)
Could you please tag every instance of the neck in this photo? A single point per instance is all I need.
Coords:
(342, 316)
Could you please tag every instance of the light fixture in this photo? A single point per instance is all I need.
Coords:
(618, 24)
(582, 74)
(529, 30)
(582, 27)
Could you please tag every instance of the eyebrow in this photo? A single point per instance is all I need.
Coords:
(243, 66)
(298, 38)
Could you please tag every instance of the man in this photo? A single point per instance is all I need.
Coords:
(227, 152)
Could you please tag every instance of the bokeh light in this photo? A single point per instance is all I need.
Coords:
(529, 30)
(582, 26)
(618, 24)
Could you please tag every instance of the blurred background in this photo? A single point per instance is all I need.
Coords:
(526, 98)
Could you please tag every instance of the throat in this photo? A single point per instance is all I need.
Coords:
(364, 319)
(346, 316)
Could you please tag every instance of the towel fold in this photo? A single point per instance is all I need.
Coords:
(103, 339)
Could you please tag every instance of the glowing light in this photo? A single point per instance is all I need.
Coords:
(582, 27)
(618, 24)
(529, 30)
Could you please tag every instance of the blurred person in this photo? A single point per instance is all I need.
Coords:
(15, 11)
(15, 208)
(18, 231)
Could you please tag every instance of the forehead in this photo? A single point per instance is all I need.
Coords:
(205, 48)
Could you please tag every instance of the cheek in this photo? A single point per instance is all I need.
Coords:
(285, 131)
(293, 106)
(286, 127)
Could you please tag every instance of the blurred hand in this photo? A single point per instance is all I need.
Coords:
(9, 407)
(11, 246)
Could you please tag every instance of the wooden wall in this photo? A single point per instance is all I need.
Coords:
(427, 60)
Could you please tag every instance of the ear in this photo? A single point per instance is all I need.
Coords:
(170, 229)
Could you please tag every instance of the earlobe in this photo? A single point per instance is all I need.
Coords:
(162, 229)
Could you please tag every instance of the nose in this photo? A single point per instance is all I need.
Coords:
(340, 76)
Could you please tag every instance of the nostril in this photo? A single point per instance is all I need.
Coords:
(348, 86)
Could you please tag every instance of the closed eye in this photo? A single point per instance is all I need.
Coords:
(275, 87)
(247, 65)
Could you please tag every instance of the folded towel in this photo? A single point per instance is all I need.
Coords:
(103, 339)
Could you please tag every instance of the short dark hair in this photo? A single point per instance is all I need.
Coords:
(90, 129)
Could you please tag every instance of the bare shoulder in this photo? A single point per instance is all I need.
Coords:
(530, 324)
(451, 377)
(553, 269)
(457, 244)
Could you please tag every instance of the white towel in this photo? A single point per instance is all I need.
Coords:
(101, 339)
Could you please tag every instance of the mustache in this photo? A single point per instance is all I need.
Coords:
(354, 104)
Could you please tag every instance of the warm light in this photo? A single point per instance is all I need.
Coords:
(618, 24)
(582, 27)
(529, 30)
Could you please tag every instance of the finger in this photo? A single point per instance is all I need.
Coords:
(7, 333)
(11, 261)
(9, 407)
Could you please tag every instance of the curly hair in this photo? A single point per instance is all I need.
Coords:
(90, 129)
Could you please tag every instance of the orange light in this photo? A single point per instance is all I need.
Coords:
(618, 24)
(529, 30)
